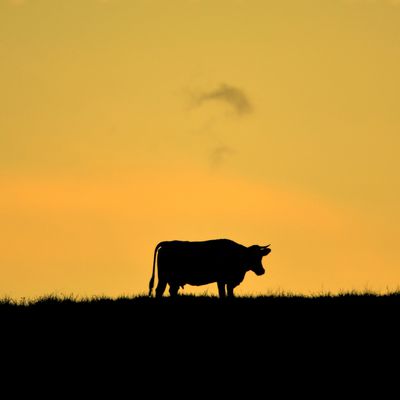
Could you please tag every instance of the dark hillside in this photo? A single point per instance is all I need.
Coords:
(142, 314)
(252, 335)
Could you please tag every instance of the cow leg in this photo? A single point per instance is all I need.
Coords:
(221, 289)
(160, 288)
(173, 290)
(230, 288)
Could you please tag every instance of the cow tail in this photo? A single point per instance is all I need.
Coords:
(151, 283)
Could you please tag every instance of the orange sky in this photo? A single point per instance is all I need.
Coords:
(124, 123)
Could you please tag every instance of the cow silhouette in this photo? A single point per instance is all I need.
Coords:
(199, 263)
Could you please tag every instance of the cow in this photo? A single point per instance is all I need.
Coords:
(199, 263)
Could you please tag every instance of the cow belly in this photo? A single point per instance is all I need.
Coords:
(184, 275)
(189, 272)
(199, 280)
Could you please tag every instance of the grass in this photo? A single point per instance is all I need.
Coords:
(203, 326)
(141, 313)
(69, 299)
(73, 303)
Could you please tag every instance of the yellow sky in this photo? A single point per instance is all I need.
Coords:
(128, 122)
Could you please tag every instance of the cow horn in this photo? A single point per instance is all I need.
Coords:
(266, 247)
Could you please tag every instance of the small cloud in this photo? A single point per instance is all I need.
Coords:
(231, 95)
(388, 2)
(17, 2)
(219, 155)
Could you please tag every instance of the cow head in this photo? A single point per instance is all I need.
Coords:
(255, 255)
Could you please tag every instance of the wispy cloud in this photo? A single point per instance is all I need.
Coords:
(22, 2)
(219, 155)
(231, 95)
(227, 95)
(17, 2)
(387, 2)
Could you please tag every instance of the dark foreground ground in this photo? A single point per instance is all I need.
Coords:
(196, 345)
(146, 316)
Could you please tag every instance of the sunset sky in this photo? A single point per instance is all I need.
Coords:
(127, 122)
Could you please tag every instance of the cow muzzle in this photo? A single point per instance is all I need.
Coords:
(259, 272)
